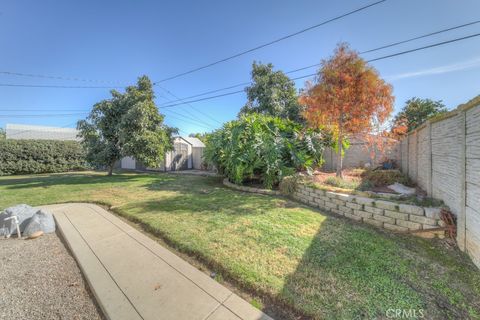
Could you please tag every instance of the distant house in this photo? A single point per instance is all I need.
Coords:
(187, 154)
(28, 132)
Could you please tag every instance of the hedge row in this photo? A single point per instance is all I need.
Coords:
(40, 156)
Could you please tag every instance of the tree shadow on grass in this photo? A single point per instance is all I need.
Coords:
(352, 271)
(77, 178)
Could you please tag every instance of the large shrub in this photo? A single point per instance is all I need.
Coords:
(40, 156)
(264, 148)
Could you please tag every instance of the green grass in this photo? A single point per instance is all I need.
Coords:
(321, 266)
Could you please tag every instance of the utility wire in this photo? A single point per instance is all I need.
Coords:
(57, 86)
(29, 130)
(33, 75)
(314, 74)
(192, 107)
(191, 122)
(41, 115)
(199, 122)
(204, 93)
(270, 42)
(362, 52)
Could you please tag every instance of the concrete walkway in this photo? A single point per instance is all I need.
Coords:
(133, 277)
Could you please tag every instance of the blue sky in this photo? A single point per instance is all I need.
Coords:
(118, 41)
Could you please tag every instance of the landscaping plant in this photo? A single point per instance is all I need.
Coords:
(264, 148)
(272, 93)
(128, 124)
(349, 97)
(40, 156)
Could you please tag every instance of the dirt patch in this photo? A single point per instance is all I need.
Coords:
(349, 175)
(41, 280)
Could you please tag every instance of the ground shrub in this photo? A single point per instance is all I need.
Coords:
(40, 156)
(341, 183)
(289, 184)
(264, 148)
(385, 177)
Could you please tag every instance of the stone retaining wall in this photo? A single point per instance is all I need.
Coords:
(250, 189)
(380, 213)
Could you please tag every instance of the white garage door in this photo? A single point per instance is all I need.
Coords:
(128, 163)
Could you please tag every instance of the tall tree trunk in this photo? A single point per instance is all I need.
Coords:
(110, 168)
(339, 158)
(340, 147)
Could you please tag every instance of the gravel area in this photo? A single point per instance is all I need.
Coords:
(39, 279)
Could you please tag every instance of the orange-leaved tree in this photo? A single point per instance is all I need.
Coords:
(347, 97)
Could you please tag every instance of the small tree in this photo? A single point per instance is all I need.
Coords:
(128, 124)
(3, 135)
(416, 111)
(349, 97)
(272, 93)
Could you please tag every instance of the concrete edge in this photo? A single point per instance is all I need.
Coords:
(95, 274)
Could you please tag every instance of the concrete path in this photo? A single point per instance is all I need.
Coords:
(133, 277)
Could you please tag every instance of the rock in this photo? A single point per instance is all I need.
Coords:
(400, 188)
(46, 221)
(30, 220)
(35, 235)
(23, 213)
(33, 226)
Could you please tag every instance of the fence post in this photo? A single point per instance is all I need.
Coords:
(416, 155)
(461, 219)
(408, 156)
(429, 151)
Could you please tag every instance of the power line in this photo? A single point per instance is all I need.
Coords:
(204, 124)
(363, 52)
(57, 86)
(191, 122)
(270, 42)
(29, 130)
(33, 75)
(313, 74)
(41, 115)
(192, 107)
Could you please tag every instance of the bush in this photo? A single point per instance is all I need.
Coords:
(264, 148)
(40, 156)
(386, 177)
(289, 184)
(341, 183)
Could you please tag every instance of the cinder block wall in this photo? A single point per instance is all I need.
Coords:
(357, 155)
(443, 157)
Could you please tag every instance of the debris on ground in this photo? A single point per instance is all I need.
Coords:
(29, 220)
(402, 189)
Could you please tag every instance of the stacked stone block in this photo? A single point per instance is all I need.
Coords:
(379, 213)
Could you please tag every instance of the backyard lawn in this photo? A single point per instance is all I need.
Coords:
(316, 264)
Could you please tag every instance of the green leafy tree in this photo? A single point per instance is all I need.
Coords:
(416, 111)
(272, 93)
(128, 124)
(200, 136)
(3, 135)
(264, 148)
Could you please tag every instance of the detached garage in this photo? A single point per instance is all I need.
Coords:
(187, 154)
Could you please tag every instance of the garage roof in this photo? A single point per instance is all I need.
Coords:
(195, 142)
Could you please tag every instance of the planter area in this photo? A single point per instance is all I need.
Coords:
(380, 213)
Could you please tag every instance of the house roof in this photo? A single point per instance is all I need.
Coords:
(195, 142)
(23, 131)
